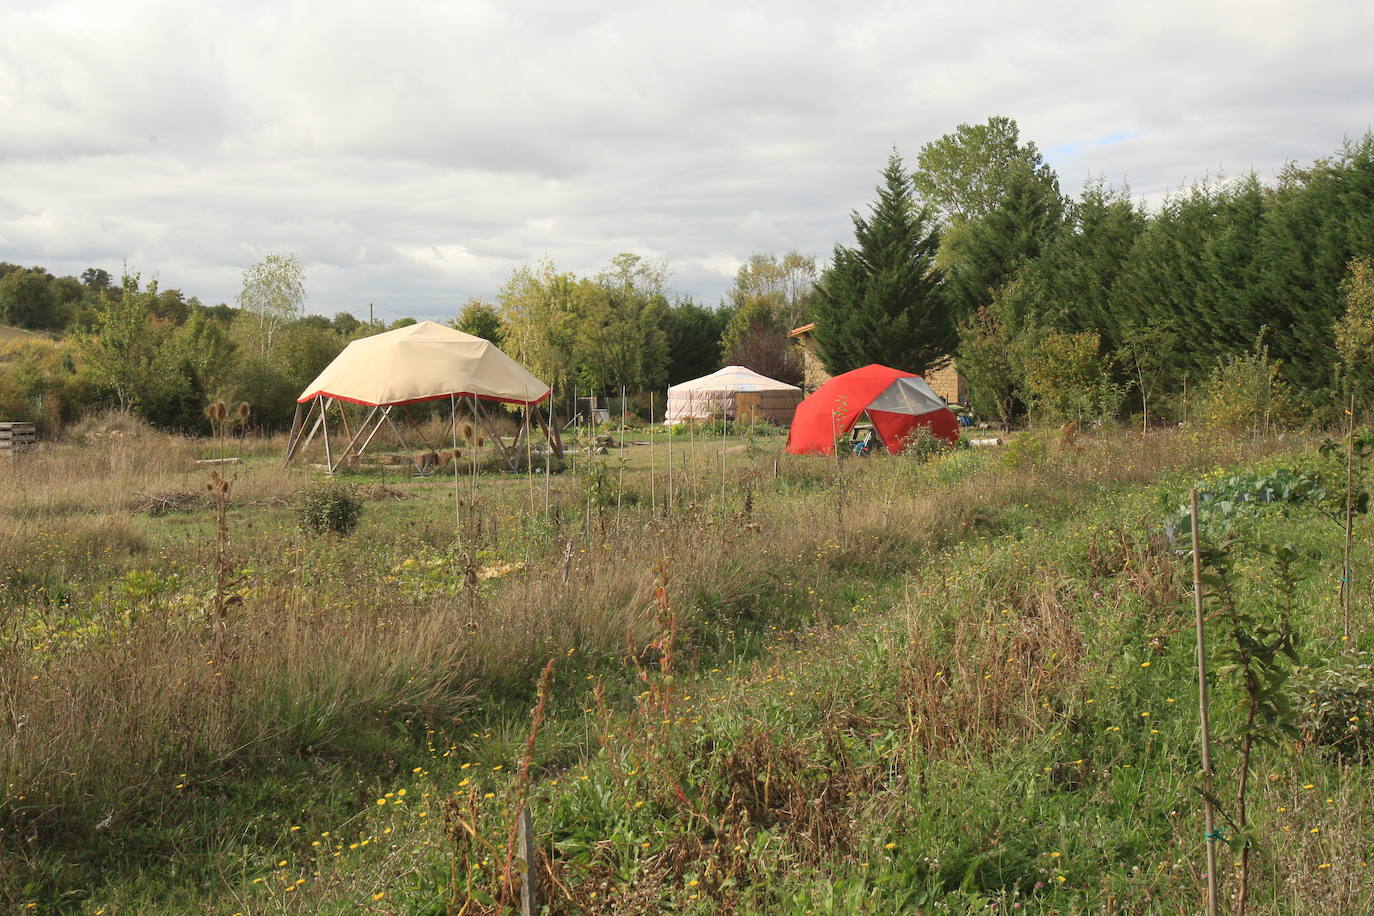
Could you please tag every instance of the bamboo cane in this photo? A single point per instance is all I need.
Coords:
(1208, 814)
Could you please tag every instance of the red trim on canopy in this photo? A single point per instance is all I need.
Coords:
(435, 397)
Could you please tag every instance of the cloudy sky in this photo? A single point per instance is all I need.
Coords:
(413, 153)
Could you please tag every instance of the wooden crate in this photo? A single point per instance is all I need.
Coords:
(16, 437)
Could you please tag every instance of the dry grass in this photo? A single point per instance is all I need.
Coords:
(329, 638)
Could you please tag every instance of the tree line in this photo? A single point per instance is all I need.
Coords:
(1230, 292)
(134, 347)
(1093, 306)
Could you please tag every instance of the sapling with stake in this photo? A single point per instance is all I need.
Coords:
(1257, 657)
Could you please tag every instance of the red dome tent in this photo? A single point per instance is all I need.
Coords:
(896, 402)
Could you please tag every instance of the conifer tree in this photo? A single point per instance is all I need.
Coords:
(1080, 265)
(881, 301)
(984, 254)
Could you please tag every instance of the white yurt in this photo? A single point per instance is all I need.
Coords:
(730, 392)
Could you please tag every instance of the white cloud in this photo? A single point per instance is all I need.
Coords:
(413, 154)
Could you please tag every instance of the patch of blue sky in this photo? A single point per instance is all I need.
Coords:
(1068, 150)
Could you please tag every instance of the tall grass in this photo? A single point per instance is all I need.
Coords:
(336, 646)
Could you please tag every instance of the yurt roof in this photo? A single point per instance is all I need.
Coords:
(733, 378)
(425, 361)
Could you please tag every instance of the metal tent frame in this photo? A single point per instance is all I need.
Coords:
(379, 415)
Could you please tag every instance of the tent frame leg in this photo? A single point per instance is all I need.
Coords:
(314, 429)
(550, 428)
(401, 439)
(328, 455)
(506, 453)
(297, 424)
(378, 425)
(353, 441)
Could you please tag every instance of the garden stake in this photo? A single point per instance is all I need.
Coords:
(1349, 516)
(653, 469)
(724, 446)
(1210, 818)
(620, 487)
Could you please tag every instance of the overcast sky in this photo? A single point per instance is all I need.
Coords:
(412, 154)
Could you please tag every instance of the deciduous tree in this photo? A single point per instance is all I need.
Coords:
(274, 293)
(966, 174)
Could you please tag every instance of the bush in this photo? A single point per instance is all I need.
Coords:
(1024, 451)
(1068, 379)
(1246, 394)
(329, 506)
(1337, 707)
(922, 444)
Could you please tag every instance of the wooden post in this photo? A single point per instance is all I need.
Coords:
(457, 495)
(620, 484)
(724, 448)
(1349, 520)
(653, 469)
(1209, 815)
(529, 866)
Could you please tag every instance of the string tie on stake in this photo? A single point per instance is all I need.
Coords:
(1215, 835)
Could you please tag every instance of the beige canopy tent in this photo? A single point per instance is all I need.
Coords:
(733, 393)
(420, 363)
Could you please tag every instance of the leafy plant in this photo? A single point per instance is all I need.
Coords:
(329, 506)
(1336, 711)
(1257, 657)
(922, 445)
(1024, 451)
(1246, 392)
(1239, 496)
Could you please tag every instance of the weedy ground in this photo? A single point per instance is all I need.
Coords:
(779, 685)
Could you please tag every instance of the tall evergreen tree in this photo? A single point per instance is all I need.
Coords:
(1081, 265)
(1228, 299)
(983, 254)
(1315, 223)
(1160, 279)
(882, 300)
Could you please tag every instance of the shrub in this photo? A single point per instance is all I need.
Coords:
(329, 506)
(1246, 393)
(922, 445)
(1024, 451)
(1068, 379)
(1337, 706)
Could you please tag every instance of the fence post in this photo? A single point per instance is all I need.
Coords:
(529, 871)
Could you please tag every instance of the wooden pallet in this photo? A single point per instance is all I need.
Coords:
(15, 437)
